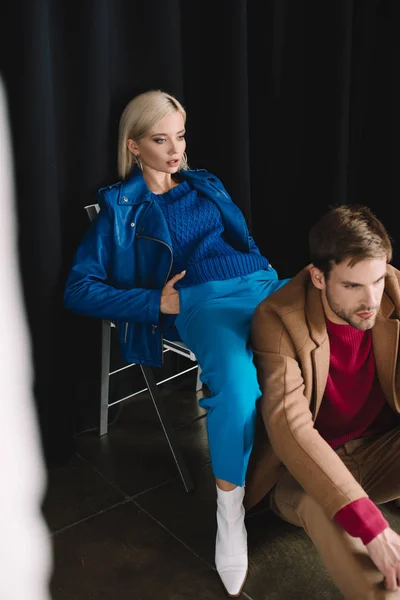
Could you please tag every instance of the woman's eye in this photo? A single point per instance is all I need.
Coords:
(181, 137)
(159, 140)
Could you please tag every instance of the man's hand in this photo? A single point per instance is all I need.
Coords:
(384, 550)
(169, 304)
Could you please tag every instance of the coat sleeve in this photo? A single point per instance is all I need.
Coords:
(88, 290)
(288, 420)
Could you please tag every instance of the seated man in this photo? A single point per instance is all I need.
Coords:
(326, 349)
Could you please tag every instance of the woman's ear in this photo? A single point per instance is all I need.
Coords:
(132, 147)
(318, 278)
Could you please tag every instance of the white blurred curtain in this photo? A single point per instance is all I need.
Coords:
(25, 545)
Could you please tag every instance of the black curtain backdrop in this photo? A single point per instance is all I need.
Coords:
(293, 104)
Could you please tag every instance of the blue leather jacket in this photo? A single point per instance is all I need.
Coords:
(125, 259)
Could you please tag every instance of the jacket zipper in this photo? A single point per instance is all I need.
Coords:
(154, 327)
(165, 244)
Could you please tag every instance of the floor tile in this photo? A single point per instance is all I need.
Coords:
(135, 454)
(189, 516)
(122, 554)
(283, 563)
(74, 492)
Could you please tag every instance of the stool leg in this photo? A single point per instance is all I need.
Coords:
(199, 383)
(166, 425)
(105, 375)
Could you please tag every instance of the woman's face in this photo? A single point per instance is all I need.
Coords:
(163, 147)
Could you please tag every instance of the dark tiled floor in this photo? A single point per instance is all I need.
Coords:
(123, 527)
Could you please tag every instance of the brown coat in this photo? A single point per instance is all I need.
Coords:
(291, 349)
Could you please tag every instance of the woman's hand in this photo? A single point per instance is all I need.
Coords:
(169, 304)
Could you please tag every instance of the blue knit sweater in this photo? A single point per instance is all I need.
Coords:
(198, 244)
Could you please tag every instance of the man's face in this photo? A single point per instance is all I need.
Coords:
(352, 295)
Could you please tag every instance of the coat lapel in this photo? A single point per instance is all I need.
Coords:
(321, 354)
(385, 341)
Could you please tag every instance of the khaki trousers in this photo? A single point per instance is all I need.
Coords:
(375, 462)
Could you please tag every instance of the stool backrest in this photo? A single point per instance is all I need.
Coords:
(92, 211)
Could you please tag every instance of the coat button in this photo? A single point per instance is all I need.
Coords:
(132, 224)
(125, 199)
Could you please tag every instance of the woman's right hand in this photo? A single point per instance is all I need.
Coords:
(169, 304)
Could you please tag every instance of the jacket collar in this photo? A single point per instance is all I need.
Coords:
(385, 340)
(315, 314)
(134, 189)
(320, 355)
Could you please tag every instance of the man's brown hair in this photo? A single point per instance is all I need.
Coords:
(348, 232)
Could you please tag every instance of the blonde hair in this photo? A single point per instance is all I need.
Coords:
(138, 118)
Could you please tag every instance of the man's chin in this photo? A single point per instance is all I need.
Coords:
(363, 324)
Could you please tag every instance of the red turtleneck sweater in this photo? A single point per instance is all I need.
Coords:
(354, 406)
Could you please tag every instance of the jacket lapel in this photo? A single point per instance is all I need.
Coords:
(320, 356)
(385, 341)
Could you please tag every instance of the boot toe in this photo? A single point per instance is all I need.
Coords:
(233, 581)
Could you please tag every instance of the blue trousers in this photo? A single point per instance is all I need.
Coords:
(214, 322)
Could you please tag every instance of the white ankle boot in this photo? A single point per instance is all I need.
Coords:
(231, 543)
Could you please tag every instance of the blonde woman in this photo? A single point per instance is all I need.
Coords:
(170, 255)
